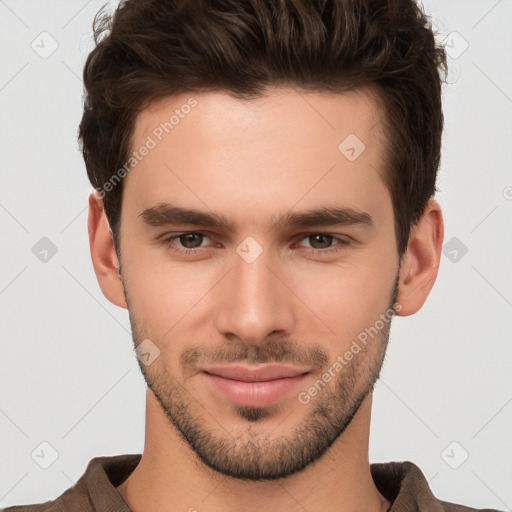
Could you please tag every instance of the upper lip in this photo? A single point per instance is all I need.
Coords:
(254, 373)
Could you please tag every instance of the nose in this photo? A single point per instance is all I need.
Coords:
(253, 302)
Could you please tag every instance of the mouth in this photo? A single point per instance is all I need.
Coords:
(255, 386)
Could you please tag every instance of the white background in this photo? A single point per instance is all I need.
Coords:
(68, 374)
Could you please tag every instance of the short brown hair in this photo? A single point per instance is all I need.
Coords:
(152, 49)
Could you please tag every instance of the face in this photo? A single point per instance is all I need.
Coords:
(256, 234)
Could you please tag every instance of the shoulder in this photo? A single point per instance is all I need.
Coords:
(405, 486)
(95, 490)
(48, 506)
(74, 498)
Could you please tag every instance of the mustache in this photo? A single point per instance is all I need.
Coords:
(271, 352)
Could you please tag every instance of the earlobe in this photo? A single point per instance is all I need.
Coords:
(103, 253)
(420, 263)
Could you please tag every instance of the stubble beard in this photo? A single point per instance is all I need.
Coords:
(257, 453)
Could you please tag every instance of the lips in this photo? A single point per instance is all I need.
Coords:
(255, 374)
(256, 386)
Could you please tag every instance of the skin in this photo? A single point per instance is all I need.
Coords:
(295, 303)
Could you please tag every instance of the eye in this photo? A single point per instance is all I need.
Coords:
(323, 242)
(185, 243)
(189, 240)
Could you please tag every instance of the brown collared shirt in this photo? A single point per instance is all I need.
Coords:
(401, 483)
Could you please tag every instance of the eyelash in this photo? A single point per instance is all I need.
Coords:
(185, 251)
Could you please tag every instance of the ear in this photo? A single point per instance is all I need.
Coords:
(103, 253)
(420, 261)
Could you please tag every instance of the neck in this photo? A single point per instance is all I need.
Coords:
(171, 477)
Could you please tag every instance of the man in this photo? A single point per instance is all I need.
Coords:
(264, 176)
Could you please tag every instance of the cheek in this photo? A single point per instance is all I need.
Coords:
(348, 298)
(166, 296)
(345, 305)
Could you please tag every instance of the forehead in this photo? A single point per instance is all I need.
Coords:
(283, 148)
(220, 118)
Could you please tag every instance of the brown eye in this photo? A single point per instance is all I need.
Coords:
(320, 241)
(191, 240)
(323, 243)
(190, 243)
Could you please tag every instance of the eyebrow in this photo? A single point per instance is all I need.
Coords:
(167, 214)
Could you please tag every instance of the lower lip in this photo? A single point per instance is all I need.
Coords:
(254, 394)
